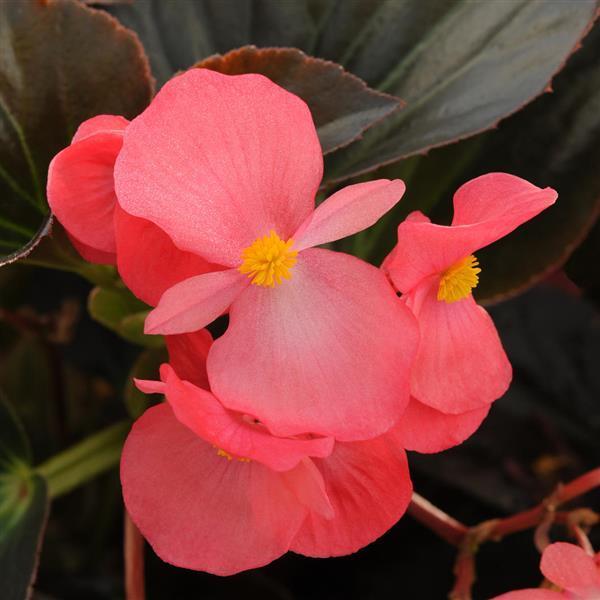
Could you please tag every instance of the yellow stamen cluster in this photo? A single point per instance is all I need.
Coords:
(268, 260)
(224, 454)
(458, 280)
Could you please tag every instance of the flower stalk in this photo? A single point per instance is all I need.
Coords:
(133, 554)
(540, 517)
(84, 461)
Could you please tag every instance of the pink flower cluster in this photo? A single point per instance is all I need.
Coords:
(289, 431)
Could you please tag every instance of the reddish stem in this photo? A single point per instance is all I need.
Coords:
(448, 528)
(133, 549)
(532, 517)
(468, 539)
(464, 576)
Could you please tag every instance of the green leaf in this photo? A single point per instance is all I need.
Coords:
(461, 66)
(342, 105)
(23, 510)
(178, 33)
(119, 310)
(87, 65)
(24, 251)
(554, 142)
(145, 367)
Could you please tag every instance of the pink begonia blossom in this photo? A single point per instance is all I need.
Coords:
(211, 489)
(228, 168)
(575, 573)
(81, 194)
(461, 366)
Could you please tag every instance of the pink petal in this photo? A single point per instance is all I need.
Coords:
(308, 485)
(148, 261)
(194, 303)
(369, 487)
(328, 351)
(461, 365)
(99, 124)
(348, 211)
(389, 261)
(199, 510)
(240, 436)
(91, 254)
(217, 161)
(81, 190)
(187, 356)
(532, 594)
(148, 386)
(569, 567)
(503, 201)
(486, 209)
(425, 429)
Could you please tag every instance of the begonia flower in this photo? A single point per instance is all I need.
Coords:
(213, 490)
(461, 366)
(575, 574)
(228, 167)
(81, 195)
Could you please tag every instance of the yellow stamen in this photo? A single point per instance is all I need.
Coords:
(225, 454)
(268, 260)
(221, 452)
(458, 280)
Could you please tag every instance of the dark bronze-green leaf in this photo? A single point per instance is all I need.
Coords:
(179, 33)
(342, 105)
(554, 142)
(61, 63)
(467, 66)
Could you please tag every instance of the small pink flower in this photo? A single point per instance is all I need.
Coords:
(228, 167)
(81, 194)
(575, 573)
(461, 366)
(81, 191)
(213, 490)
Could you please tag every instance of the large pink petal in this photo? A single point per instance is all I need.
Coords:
(461, 364)
(195, 302)
(348, 211)
(569, 567)
(239, 436)
(199, 510)
(81, 190)
(369, 487)
(532, 594)
(327, 352)
(99, 124)
(425, 429)
(148, 261)
(187, 356)
(486, 209)
(217, 161)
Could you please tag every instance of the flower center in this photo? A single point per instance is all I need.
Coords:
(268, 260)
(458, 280)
